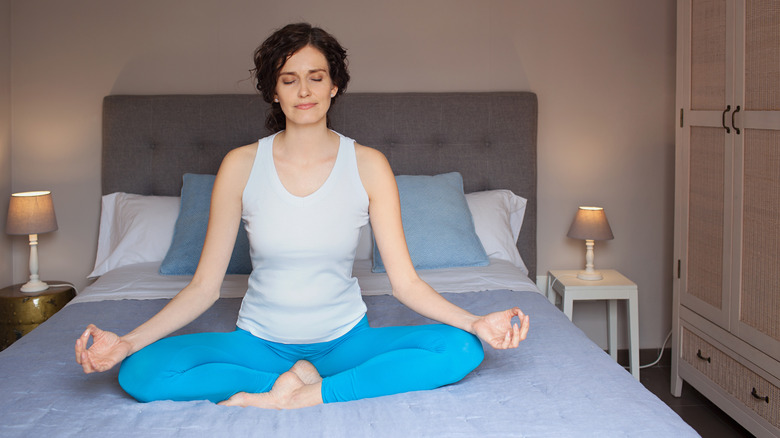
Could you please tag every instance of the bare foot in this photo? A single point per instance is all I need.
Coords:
(306, 372)
(289, 392)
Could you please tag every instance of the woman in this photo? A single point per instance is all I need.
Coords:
(302, 337)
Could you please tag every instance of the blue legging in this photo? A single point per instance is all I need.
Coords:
(365, 362)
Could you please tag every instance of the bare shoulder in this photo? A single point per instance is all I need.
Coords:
(236, 166)
(242, 154)
(374, 169)
(370, 159)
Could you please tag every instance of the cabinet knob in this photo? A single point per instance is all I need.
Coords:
(698, 354)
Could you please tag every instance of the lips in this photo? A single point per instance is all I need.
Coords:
(305, 106)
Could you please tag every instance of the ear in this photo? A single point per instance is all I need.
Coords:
(334, 90)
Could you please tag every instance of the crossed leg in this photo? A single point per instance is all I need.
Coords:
(369, 362)
(239, 369)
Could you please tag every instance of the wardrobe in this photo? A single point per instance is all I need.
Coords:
(726, 314)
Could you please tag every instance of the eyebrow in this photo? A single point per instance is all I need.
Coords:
(315, 70)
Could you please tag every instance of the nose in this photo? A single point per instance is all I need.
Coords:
(303, 91)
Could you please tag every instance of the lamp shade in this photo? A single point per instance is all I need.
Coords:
(590, 223)
(31, 213)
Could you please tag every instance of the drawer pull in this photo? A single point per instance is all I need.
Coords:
(698, 354)
(723, 119)
(758, 397)
(732, 120)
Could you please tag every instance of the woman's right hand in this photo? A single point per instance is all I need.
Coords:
(107, 350)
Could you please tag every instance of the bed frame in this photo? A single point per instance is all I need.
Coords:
(149, 142)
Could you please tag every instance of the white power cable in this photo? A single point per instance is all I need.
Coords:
(660, 353)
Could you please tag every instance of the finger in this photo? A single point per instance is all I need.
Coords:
(507, 340)
(525, 327)
(95, 367)
(515, 336)
(79, 349)
(81, 342)
(86, 363)
(94, 330)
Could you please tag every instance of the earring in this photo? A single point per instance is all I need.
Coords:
(276, 100)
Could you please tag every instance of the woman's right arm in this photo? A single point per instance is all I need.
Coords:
(108, 349)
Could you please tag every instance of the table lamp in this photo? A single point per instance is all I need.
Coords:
(31, 213)
(590, 224)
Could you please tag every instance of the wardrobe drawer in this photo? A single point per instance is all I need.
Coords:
(749, 388)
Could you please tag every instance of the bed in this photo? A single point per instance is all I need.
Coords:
(557, 383)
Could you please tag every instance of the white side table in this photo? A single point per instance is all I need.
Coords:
(614, 286)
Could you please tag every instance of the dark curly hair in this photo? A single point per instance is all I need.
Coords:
(279, 47)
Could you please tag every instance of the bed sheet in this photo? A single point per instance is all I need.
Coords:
(557, 383)
(142, 281)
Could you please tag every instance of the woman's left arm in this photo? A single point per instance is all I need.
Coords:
(385, 214)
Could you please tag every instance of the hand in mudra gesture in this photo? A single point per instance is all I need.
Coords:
(107, 350)
(497, 329)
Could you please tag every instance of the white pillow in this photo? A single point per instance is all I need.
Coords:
(134, 229)
(498, 217)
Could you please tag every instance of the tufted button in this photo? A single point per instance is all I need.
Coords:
(152, 145)
(487, 145)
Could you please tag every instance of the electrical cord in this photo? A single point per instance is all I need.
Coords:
(65, 285)
(660, 353)
(552, 284)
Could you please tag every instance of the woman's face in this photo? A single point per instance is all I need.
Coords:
(304, 87)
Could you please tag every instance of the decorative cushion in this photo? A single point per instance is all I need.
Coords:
(190, 231)
(437, 223)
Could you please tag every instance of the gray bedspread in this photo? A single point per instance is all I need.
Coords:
(557, 384)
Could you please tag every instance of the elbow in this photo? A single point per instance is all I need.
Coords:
(213, 296)
(211, 293)
(206, 293)
(402, 291)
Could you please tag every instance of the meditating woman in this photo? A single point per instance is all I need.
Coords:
(302, 336)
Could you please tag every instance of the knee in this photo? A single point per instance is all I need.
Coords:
(466, 352)
(138, 380)
(472, 350)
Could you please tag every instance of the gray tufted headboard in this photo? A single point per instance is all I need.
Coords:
(149, 142)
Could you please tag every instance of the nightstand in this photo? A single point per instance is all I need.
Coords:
(21, 312)
(614, 286)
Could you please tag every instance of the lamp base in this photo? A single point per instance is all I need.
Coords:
(590, 275)
(34, 286)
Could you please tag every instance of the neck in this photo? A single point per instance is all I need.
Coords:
(306, 140)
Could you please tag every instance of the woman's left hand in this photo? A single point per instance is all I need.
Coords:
(497, 329)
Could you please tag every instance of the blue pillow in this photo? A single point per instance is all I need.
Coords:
(190, 231)
(437, 223)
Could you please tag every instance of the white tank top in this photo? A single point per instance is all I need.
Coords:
(301, 289)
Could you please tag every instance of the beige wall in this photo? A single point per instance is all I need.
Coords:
(603, 71)
(5, 138)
